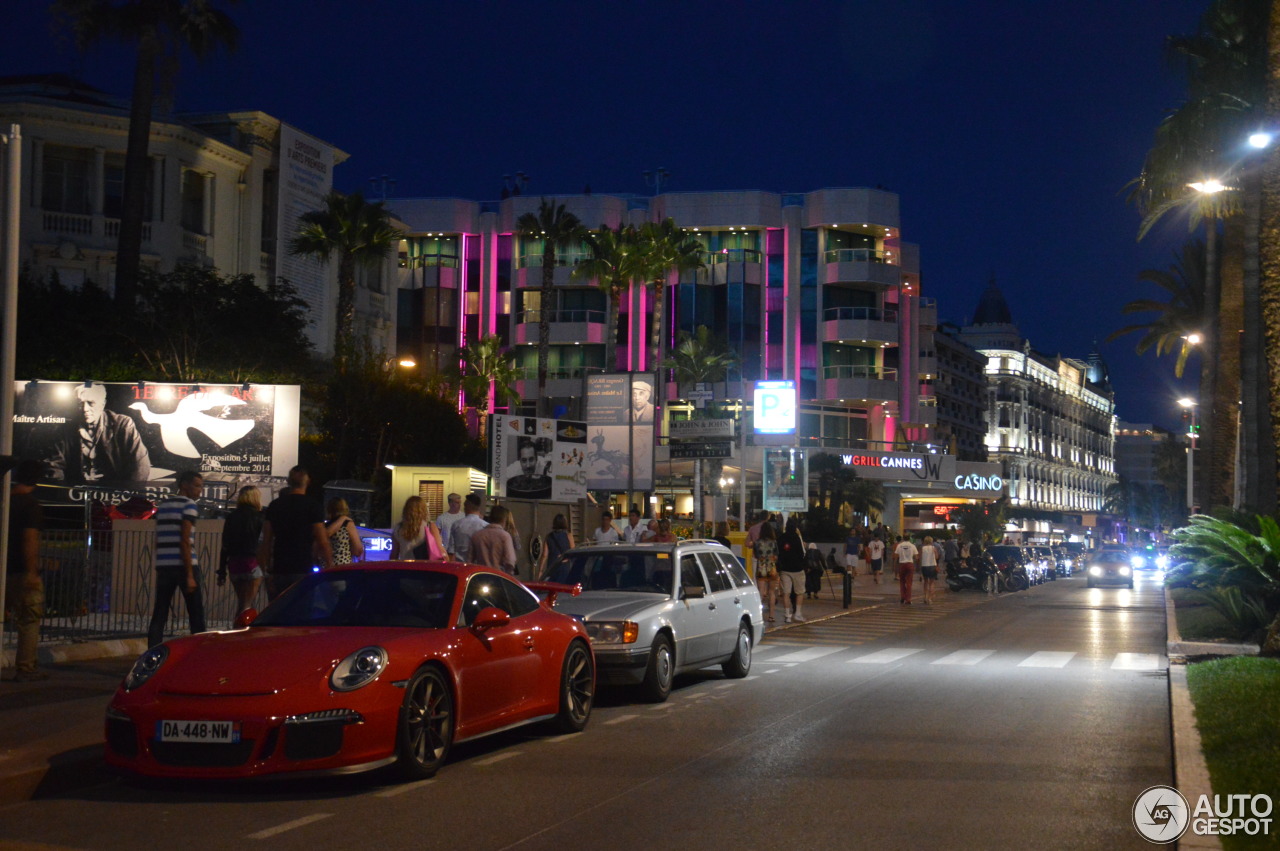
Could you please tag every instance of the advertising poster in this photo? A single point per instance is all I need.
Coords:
(786, 480)
(306, 176)
(620, 419)
(539, 458)
(134, 438)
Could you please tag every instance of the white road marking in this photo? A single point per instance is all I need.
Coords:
(773, 670)
(1047, 659)
(807, 655)
(660, 707)
(497, 758)
(557, 739)
(1136, 662)
(289, 825)
(725, 685)
(964, 657)
(752, 677)
(620, 719)
(404, 787)
(884, 657)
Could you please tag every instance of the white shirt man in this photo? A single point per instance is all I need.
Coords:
(446, 519)
(472, 521)
(606, 532)
(634, 531)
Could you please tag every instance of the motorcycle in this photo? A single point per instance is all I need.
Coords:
(969, 576)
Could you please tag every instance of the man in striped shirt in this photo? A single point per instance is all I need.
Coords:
(177, 568)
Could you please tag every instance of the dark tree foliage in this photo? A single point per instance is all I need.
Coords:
(191, 324)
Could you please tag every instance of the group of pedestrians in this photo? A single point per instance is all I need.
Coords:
(784, 567)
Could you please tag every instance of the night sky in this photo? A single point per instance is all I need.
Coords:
(1009, 128)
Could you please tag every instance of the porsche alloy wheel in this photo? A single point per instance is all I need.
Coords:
(661, 670)
(738, 665)
(577, 689)
(426, 725)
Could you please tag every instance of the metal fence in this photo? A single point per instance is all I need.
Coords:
(102, 584)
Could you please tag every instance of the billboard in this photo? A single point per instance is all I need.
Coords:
(306, 177)
(535, 458)
(620, 419)
(136, 437)
(775, 407)
(786, 480)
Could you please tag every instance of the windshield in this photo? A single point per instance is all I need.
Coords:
(404, 598)
(615, 571)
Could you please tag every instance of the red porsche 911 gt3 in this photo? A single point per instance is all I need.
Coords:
(354, 668)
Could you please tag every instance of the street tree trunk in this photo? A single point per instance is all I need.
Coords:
(133, 201)
(1259, 469)
(1208, 474)
(1269, 249)
(1226, 407)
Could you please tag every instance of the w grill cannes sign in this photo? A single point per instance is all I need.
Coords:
(968, 478)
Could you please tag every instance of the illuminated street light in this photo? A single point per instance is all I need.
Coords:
(1194, 432)
(1208, 187)
(1194, 338)
(1261, 139)
(408, 362)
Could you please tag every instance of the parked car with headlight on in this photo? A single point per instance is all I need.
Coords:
(354, 668)
(654, 610)
(1110, 567)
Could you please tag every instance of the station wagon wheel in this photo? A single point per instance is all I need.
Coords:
(738, 665)
(577, 689)
(661, 670)
(425, 732)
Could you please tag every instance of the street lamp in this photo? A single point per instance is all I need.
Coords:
(1194, 432)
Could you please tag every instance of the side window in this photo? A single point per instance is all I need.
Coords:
(737, 572)
(483, 591)
(690, 574)
(520, 598)
(715, 571)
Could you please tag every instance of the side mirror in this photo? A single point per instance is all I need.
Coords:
(246, 617)
(490, 617)
(693, 592)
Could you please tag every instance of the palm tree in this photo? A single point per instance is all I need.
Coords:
(702, 357)
(160, 29)
(485, 363)
(360, 234)
(1175, 319)
(613, 264)
(558, 229)
(664, 248)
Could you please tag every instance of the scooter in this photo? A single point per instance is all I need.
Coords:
(965, 577)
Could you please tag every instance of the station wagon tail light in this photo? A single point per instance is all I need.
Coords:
(613, 632)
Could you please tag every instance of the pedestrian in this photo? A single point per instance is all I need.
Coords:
(633, 532)
(472, 521)
(664, 534)
(951, 556)
(929, 568)
(510, 525)
(492, 546)
(791, 570)
(906, 554)
(24, 589)
(241, 534)
(852, 551)
(559, 541)
(293, 535)
(765, 556)
(753, 531)
(177, 565)
(722, 533)
(447, 518)
(814, 569)
(875, 557)
(344, 537)
(605, 533)
(416, 538)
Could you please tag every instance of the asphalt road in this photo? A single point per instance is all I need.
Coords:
(1030, 720)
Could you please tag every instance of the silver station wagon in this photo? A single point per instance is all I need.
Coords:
(655, 610)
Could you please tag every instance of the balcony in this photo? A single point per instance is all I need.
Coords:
(88, 227)
(929, 365)
(528, 268)
(561, 382)
(567, 327)
(866, 383)
(928, 315)
(197, 242)
(447, 260)
(861, 324)
(731, 255)
(861, 266)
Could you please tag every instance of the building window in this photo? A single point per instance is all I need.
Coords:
(193, 188)
(113, 189)
(66, 183)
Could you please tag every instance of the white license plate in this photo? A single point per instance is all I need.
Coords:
(218, 732)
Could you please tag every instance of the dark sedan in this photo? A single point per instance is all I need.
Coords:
(1110, 567)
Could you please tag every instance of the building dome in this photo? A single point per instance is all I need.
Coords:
(992, 308)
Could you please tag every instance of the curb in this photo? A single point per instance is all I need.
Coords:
(58, 654)
(1175, 646)
(1190, 769)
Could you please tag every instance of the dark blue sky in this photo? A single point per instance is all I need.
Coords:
(1008, 127)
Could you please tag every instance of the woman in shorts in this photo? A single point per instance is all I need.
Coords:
(929, 568)
(240, 534)
(765, 556)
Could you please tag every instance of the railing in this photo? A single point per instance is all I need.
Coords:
(554, 374)
(870, 314)
(589, 316)
(266, 261)
(855, 255)
(447, 260)
(730, 255)
(69, 223)
(567, 259)
(111, 229)
(102, 585)
(194, 241)
(851, 371)
(928, 401)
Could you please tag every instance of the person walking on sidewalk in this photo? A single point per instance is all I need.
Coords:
(929, 568)
(853, 547)
(906, 555)
(241, 534)
(791, 568)
(177, 566)
(764, 555)
(293, 534)
(875, 557)
(24, 591)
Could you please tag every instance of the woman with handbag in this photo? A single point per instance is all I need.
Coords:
(765, 556)
(416, 537)
(559, 541)
(344, 538)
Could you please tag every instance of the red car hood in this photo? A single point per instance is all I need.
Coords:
(267, 660)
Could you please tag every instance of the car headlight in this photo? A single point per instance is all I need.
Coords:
(1138, 561)
(613, 632)
(1162, 562)
(1094, 570)
(358, 669)
(1124, 571)
(148, 663)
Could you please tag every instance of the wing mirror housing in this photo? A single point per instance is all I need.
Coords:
(246, 617)
(490, 617)
(693, 592)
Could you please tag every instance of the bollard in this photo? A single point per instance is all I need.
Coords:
(848, 588)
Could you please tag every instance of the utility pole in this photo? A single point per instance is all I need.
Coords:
(9, 330)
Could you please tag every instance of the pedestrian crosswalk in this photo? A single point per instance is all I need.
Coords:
(770, 653)
(867, 624)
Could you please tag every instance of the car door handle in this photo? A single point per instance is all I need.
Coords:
(528, 642)
(711, 606)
